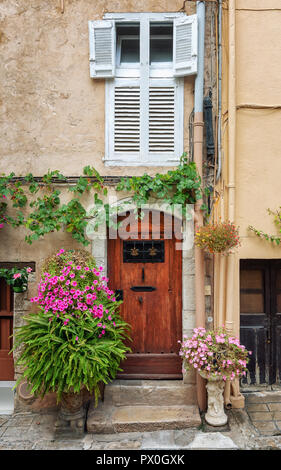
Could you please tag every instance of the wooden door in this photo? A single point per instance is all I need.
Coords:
(6, 330)
(260, 318)
(147, 273)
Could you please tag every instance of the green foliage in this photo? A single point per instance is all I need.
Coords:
(46, 213)
(77, 339)
(277, 221)
(179, 186)
(17, 278)
(271, 238)
(53, 360)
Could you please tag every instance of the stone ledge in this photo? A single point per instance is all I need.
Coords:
(108, 419)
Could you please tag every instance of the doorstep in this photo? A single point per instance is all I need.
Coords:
(131, 406)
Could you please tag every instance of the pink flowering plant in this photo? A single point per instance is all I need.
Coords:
(214, 353)
(77, 338)
(17, 278)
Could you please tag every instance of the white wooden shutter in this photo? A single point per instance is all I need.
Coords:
(161, 119)
(102, 48)
(185, 49)
(126, 119)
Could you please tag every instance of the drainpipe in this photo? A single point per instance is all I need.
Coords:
(219, 88)
(236, 398)
(198, 159)
(229, 323)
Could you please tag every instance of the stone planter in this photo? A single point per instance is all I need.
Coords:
(72, 412)
(215, 415)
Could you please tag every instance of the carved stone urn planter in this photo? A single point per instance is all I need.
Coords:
(72, 412)
(215, 415)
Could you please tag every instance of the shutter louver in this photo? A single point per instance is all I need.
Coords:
(185, 46)
(127, 119)
(162, 119)
(102, 49)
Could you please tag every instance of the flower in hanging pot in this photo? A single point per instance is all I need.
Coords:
(219, 237)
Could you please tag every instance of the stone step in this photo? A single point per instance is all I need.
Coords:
(107, 419)
(149, 392)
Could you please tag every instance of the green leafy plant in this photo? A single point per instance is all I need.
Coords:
(277, 221)
(218, 237)
(180, 186)
(38, 207)
(77, 338)
(215, 353)
(17, 278)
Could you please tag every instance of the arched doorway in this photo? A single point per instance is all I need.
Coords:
(146, 271)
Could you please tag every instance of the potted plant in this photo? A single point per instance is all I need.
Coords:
(76, 340)
(17, 278)
(219, 237)
(218, 357)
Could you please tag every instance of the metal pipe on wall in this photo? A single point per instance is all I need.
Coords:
(198, 159)
(229, 320)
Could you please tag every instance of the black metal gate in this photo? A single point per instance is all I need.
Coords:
(260, 319)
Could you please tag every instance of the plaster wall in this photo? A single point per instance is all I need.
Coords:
(257, 143)
(52, 112)
(258, 149)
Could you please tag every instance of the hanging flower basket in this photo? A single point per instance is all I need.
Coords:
(219, 237)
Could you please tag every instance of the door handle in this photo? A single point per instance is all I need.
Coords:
(140, 300)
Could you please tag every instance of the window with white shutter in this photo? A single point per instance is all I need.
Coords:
(145, 57)
(126, 119)
(102, 49)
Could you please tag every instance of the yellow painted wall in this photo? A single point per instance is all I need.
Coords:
(258, 149)
(258, 132)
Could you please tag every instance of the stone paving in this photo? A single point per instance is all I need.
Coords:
(257, 427)
(264, 410)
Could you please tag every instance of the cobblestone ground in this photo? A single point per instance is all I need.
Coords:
(258, 426)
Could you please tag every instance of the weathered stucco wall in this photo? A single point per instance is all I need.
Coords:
(52, 112)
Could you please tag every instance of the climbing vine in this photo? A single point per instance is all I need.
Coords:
(46, 213)
(277, 220)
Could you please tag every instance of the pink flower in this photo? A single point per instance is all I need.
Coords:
(17, 275)
(29, 270)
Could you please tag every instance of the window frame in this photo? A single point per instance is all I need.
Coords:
(145, 74)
